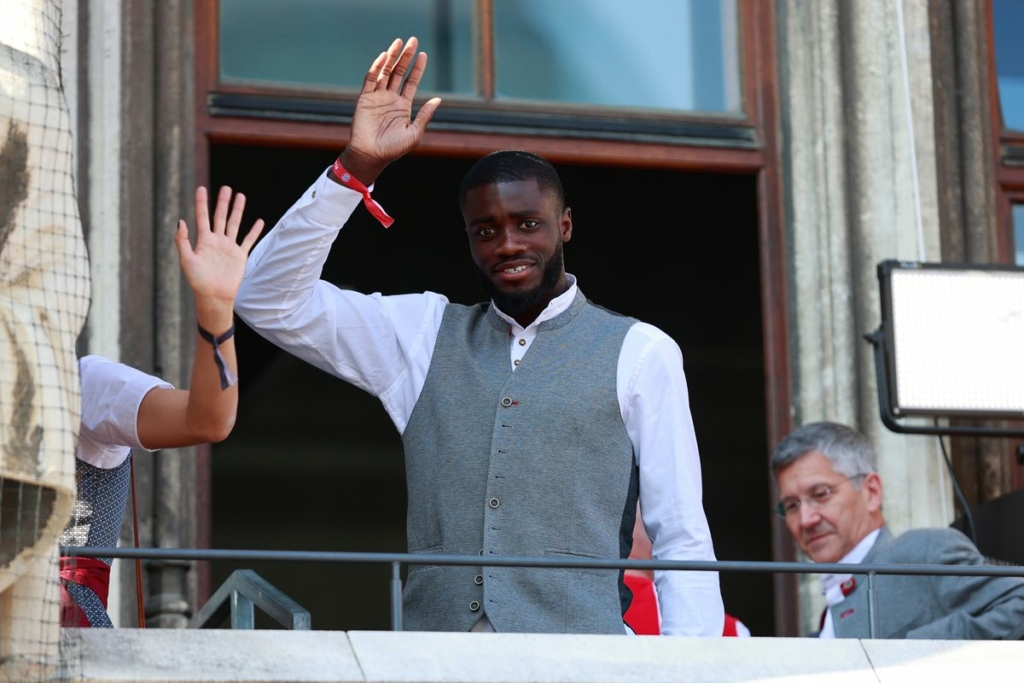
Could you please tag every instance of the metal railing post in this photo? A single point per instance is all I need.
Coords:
(396, 596)
(243, 612)
(872, 606)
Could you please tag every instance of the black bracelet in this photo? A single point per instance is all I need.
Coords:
(227, 378)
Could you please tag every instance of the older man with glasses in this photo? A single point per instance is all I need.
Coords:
(830, 494)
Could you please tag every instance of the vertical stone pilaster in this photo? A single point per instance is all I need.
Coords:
(137, 152)
(172, 584)
(852, 200)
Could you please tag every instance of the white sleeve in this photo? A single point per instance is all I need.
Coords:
(111, 396)
(381, 344)
(656, 410)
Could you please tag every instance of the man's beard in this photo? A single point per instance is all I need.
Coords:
(533, 300)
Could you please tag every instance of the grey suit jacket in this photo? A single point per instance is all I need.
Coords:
(936, 607)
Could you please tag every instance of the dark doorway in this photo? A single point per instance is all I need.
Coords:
(315, 464)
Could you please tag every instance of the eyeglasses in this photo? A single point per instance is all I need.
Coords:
(816, 497)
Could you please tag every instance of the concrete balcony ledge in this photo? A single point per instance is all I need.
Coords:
(271, 656)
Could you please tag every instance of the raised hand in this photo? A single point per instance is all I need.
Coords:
(382, 126)
(214, 268)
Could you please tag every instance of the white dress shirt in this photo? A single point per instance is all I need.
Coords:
(383, 344)
(111, 396)
(832, 584)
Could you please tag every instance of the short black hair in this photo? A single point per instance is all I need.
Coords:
(509, 165)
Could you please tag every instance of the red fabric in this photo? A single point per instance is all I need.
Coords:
(642, 615)
(730, 626)
(90, 572)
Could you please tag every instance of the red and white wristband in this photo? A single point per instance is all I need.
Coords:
(349, 181)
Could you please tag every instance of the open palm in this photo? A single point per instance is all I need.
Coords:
(382, 126)
(214, 268)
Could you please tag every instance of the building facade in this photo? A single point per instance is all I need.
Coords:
(737, 169)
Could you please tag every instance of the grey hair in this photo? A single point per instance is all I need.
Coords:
(848, 450)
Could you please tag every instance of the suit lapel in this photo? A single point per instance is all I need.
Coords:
(850, 617)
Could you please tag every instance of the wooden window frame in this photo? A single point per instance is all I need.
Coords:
(233, 112)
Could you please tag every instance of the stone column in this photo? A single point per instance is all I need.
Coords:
(173, 584)
(849, 156)
(136, 160)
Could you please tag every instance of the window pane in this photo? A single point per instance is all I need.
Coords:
(1008, 19)
(1018, 232)
(661, 54)
(332, 42)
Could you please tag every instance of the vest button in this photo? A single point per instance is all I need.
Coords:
(494, 503)
(481, 551)
(478, 579)
(522, 342)
(474, 606)
(506, 401)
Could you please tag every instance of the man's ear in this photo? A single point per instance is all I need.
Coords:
(873, 487)
(566, 224)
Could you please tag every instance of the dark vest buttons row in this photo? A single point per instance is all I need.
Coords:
(494, 503)
(474, 606)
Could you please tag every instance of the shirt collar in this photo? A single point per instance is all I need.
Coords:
(556, 306)
(831, 584)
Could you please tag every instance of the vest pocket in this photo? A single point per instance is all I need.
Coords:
(431, 550)
(589, 596)
(556, 552)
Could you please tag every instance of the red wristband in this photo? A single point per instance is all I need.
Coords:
(349, 181)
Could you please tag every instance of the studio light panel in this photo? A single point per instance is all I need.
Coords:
(957, 342)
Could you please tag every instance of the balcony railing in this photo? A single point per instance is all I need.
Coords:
(397, 560)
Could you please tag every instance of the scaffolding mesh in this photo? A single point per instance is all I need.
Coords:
(44, 298)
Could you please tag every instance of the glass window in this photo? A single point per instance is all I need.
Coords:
(664, 54)
(1018, 232)
(332, 42)
(1008, 21)
(674, 55)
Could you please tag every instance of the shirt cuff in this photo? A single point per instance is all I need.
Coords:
(327, 200)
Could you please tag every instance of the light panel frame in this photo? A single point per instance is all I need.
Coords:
(950, 322)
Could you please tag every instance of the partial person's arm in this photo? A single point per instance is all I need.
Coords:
(382, 344)
(111, 396)
(205, 412)
(977, 607)
(657, 414)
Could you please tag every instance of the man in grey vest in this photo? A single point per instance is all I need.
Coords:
(830, 494)
(532, 424)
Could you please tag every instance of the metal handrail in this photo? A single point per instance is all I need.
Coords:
(396, 560)
(238, 597)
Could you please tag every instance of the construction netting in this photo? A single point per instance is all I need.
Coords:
(44, 297)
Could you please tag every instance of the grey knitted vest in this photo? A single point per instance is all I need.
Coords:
(533, 463)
